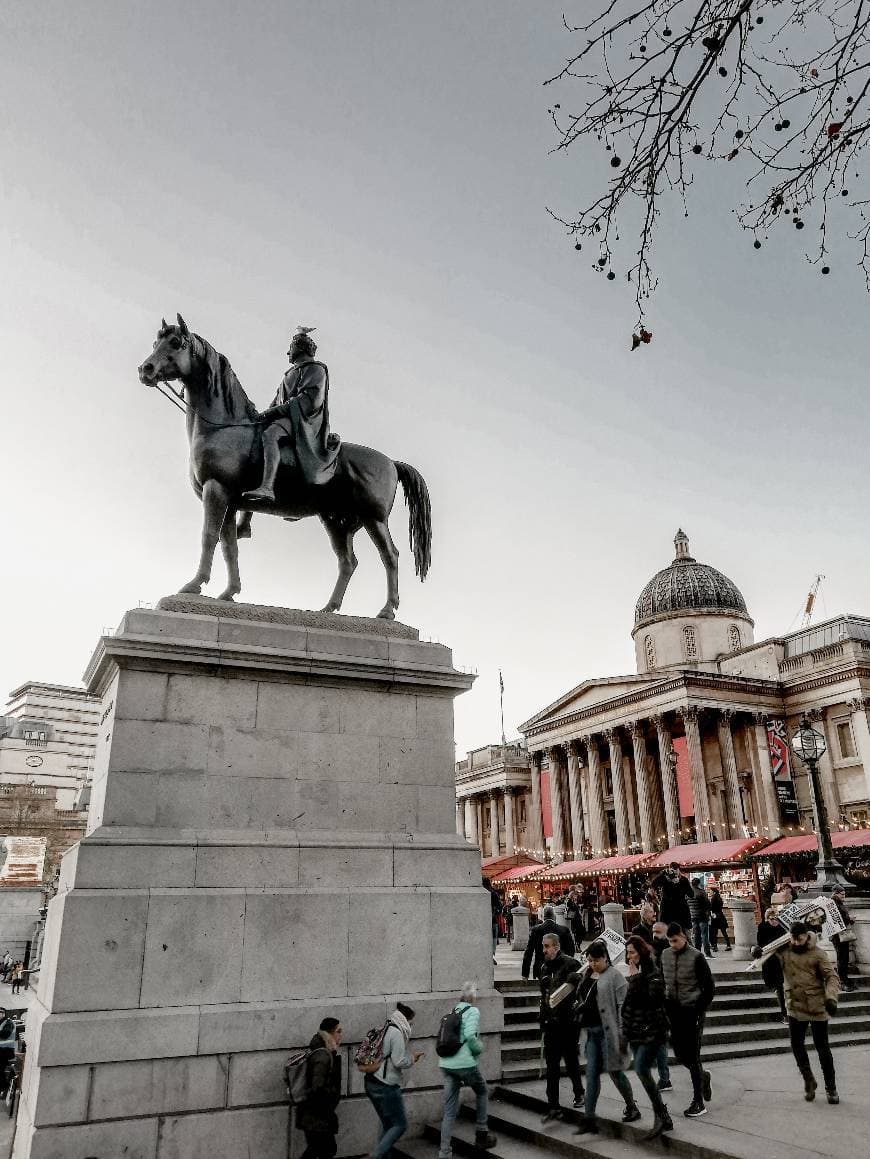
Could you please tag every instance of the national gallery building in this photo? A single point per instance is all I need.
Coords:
(694, 746)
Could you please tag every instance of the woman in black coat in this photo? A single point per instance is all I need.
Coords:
(645, 1024)
(315, 1114)
(771, 971)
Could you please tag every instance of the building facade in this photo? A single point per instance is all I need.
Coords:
(493, 797)
(693, 746)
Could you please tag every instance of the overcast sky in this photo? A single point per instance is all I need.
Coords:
(382, 171)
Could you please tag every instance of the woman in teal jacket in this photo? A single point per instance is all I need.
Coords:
(461, 1070)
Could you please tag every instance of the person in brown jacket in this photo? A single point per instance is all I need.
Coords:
(811, 989)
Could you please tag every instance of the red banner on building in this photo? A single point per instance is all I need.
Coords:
(777, 744)
(684, 777)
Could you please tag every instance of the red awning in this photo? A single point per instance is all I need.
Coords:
(596, 867)
(707, 853)
(517, 873)
(807, 843)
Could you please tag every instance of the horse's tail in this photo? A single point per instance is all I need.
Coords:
(419, 516)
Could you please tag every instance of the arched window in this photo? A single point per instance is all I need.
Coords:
(650, 650)
(734, 640)
(689, 643)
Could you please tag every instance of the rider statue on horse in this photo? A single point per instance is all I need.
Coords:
(298, 419)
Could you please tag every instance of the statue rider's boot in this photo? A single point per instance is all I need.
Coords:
(265, 493)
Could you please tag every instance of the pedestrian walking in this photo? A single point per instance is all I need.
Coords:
(600, 996)
(533, 957)
(559, 975)
(811, 989)
(384, 1086)
(644, 927)
(674, 891)
(315, 1115)
(494, 914)
(645, 1026)
(574, 914)
(17, 976)
(460, 1070)
(699, 912)
(766, 932)
(689, 990)
(718, 920)
(843, 941)
(660, 942)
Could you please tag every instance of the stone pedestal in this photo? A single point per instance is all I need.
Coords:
(271, 840)
(859, 908)
(745, 929)
(612, 912)
(520, 938)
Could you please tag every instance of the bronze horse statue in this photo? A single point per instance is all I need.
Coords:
(226, 459)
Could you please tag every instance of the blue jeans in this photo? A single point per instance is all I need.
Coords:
(594, 1067)
(645, 1055)
(390, 1109)
(454, 1081)
(701, 932)
(662, 1063)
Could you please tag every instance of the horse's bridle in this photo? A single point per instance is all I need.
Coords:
(176, 397)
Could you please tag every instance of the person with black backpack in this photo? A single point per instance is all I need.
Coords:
(458, 1047)
(315, 1115)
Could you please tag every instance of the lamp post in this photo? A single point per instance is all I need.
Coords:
(810, 746)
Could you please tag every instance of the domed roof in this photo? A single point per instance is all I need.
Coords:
(687, 586)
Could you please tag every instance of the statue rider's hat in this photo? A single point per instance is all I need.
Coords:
(302, 332)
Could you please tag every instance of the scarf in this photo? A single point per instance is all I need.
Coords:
(401, 1023)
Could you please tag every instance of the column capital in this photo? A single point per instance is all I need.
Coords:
(636, 729)
(857, 703)
(760, 717)
(611, 735)
(554, 752)
(726, 715)
(658, 720)
(572, 747)
(689, 712)
(535, 757)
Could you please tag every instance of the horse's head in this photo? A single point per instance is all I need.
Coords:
(171, 357)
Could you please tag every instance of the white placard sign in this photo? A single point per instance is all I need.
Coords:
(804, 910)
(615, 945)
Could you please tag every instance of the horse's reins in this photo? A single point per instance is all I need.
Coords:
(177, 399)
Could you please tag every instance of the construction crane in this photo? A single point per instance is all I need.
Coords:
(811, 601)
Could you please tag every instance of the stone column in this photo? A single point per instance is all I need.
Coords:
(736, 822)
(700, 799)
(745, 929)
(510, 828)
(495, 841)
(595, 791)
(575, 795)
(668, 773)
(826, 770)
(534, 828)
(858, 707)
(620, 805)
(612, 912)
(481, 828)
(641, 772)
(768, 788)
(859, 908)
(557, 805)
(471, 833)
(460, 818)
(520, 938)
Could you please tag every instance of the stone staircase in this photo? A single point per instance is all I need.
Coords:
(743, 1022)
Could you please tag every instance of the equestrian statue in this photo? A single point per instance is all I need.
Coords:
(284, 461)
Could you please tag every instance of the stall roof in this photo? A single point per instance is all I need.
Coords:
(517, 873)
(806, 843)
(597, 866)
(707, 853)
(496, 866)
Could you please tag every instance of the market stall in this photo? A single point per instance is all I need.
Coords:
(727, 864)
(521, 881)
(794, 858)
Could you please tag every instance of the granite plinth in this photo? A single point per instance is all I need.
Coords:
(266, 614)
(271, 839)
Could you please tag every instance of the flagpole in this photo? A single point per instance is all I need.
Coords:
(501, 704)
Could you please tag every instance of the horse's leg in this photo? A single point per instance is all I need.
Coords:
(383, 541)
(230, 548)
(243, 527)
(341, 538)
(215, 500)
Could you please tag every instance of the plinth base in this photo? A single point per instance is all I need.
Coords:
(271, 841)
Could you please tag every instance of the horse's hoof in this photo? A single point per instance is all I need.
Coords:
(386, 613)
(191, 589)
(330, 608)
(228, 595)
(243, 532)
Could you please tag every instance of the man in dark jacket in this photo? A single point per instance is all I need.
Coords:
(316, 1113)
(534, 955)
(689, 990)
(718, 921)
(675, 891)
(644, 928)
(558, 1027)
(699, 912)
(838, 895)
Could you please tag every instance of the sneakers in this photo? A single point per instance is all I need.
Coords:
(665, 1085)
(484, 1139)
(553, 1114)
(695, 1111)
(727, 949)
(631, 1114)
(707, 1088)
(833, 1097)
(579, 1102)
(588, 1126)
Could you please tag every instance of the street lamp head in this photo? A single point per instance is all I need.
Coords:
(807, 743)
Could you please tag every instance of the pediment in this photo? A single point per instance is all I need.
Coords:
(588, 694)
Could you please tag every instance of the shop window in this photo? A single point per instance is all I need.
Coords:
(650, 649)
(690, 644)
(734, 637)
(845, 740)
